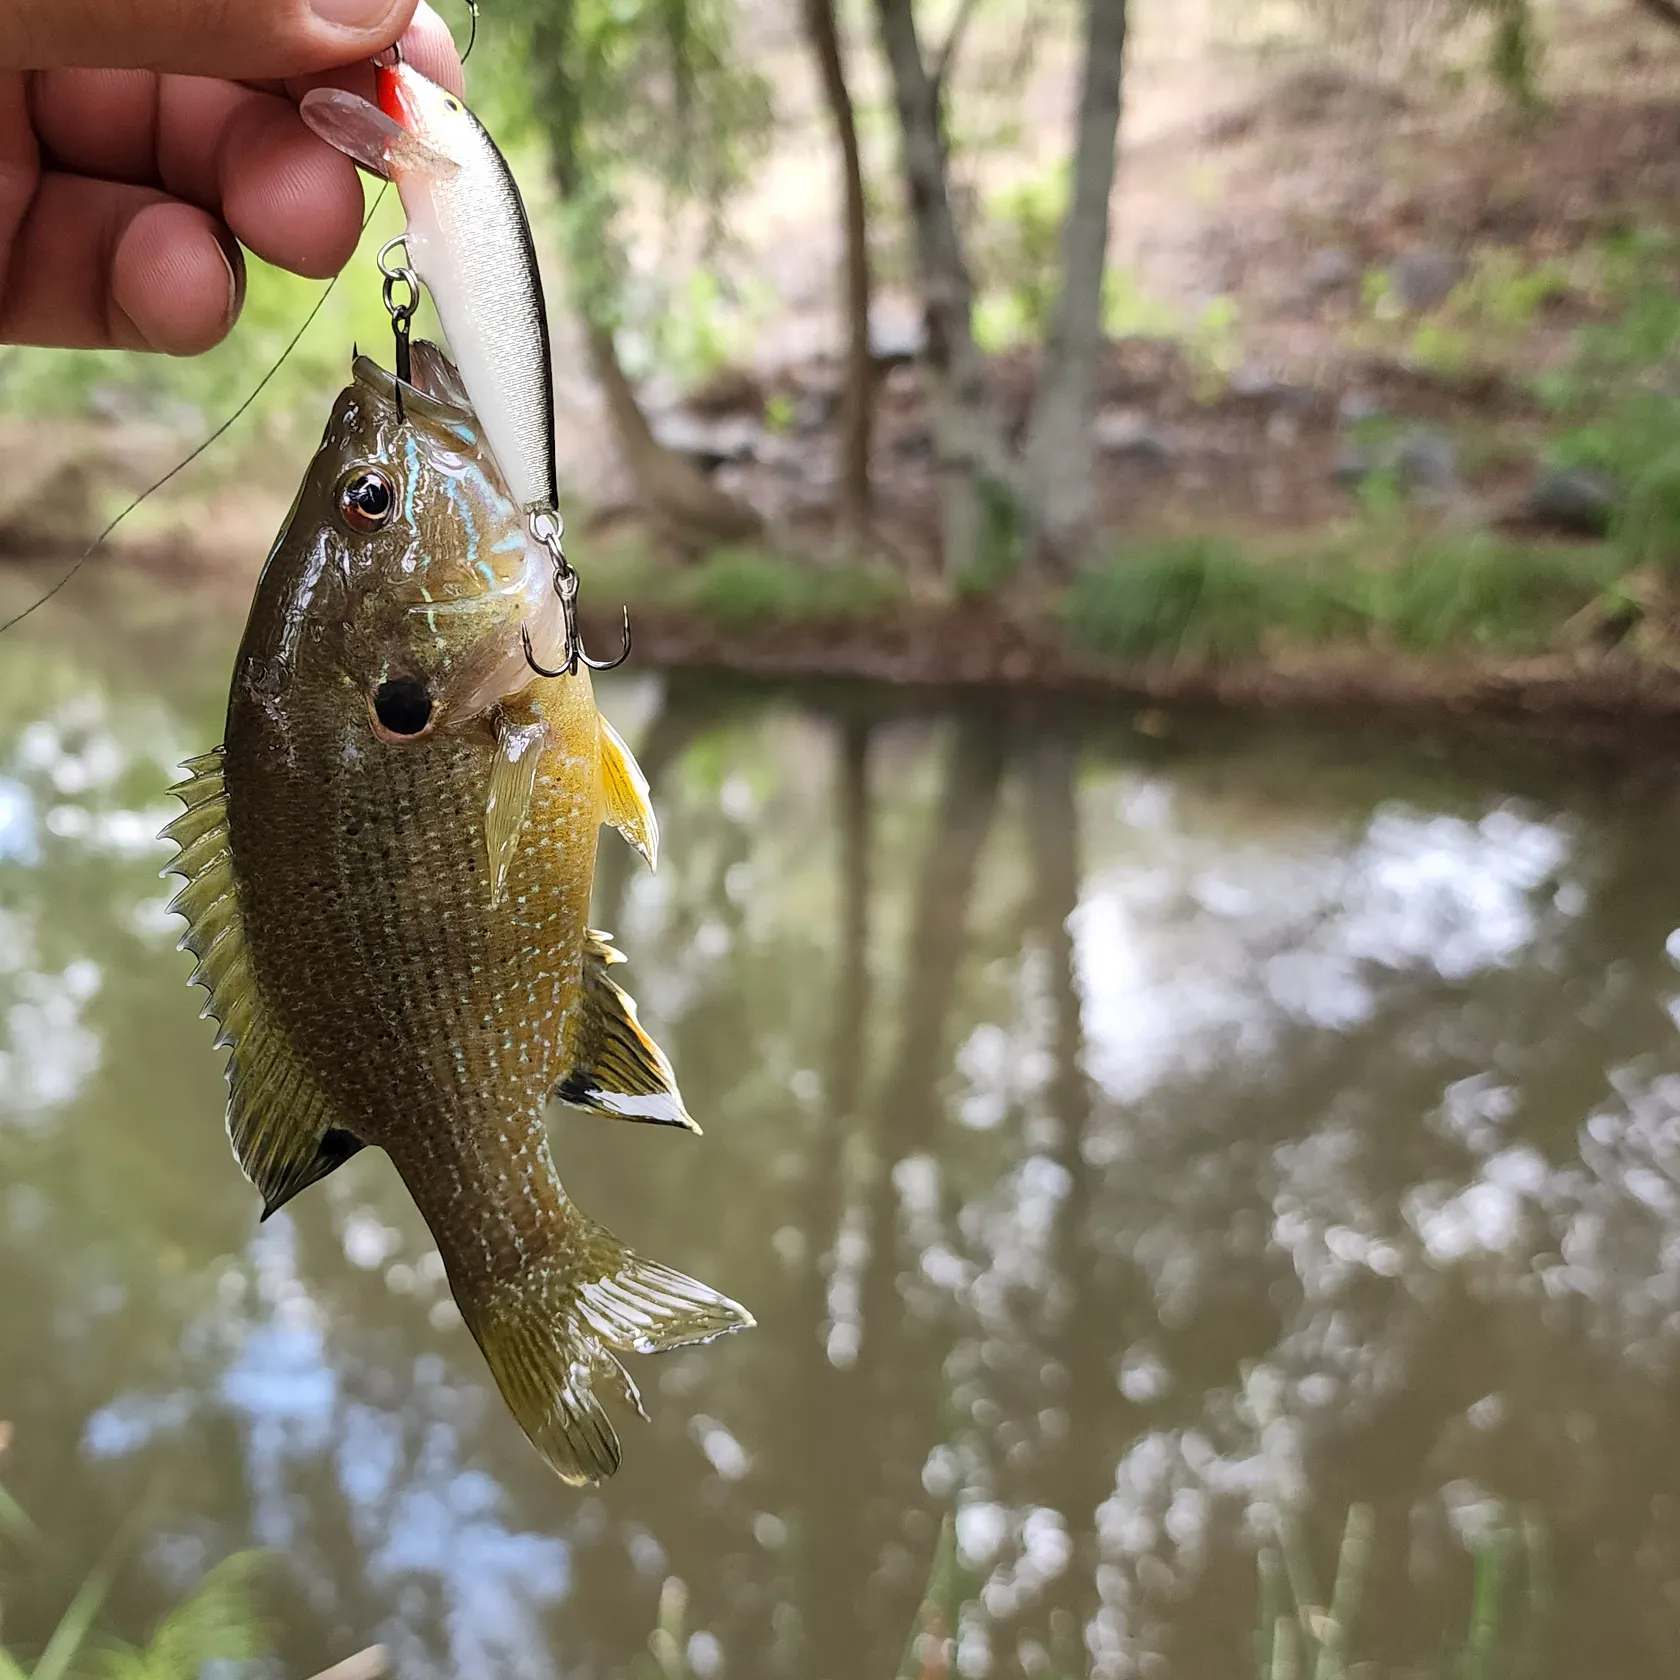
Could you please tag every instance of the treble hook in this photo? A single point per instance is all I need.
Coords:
(545, 526)
(401, 313)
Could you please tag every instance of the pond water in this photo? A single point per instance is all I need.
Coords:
(1143, 1140)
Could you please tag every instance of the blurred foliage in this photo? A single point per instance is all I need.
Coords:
(636, 97)
(1198, 599)
(1403, 39)
(196, 394)
(219, 1622)
(1483, 324)
(1018, 250)
(1207, 600)
(1618, 394)
(741, 588)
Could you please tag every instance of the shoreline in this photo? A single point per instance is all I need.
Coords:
(962, 648)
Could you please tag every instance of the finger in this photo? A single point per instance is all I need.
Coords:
(242, 39)
(242, 155)
(427, 45)
(98, 264)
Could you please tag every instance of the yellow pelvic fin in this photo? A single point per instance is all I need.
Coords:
(625, 790)
(549, 1338)
(284, 1131)
(616, 1069)
(520, 734)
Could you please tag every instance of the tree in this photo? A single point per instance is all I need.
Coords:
(968, 444)
(858, 405)
(653, 87)
(1055, 483)
(1059, 462)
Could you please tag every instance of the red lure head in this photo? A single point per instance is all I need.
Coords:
(391, 97)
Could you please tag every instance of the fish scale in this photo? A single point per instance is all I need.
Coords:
(388, 898)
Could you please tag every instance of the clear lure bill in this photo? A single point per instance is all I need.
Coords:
(469, 240)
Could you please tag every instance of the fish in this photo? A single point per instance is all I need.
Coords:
(387, 867)
(469, 240)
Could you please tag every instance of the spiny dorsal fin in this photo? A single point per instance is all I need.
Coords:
(283, 1129)
(625, 789)
(520, 735)
(616, 1068)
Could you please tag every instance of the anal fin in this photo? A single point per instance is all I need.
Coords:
(616, 1069)
(625, 790)
(284, 1130)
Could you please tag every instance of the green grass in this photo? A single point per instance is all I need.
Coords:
(1298, 1636)
(1207, 601)
(219, 1622)
(742, 589)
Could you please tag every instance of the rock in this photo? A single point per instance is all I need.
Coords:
(1329, 271)
(709, 444)
(1353, 465)
(1423, 459)
(1254, 382)
(1356, 407)
(895, 335)
(53, 508)
(1427, 460)
(1127, 431)
(728, 391)
(1423, 276)
(1576, 501)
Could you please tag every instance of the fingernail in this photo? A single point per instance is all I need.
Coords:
(233, 260)
(352, 14)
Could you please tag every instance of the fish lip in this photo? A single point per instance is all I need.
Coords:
(382, 384)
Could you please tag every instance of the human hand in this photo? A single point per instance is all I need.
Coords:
(143, 141)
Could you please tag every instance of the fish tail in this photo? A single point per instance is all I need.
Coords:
(550, 1339)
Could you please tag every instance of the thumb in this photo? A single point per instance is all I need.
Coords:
(242, 40)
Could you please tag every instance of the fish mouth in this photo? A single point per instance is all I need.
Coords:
(430, 394)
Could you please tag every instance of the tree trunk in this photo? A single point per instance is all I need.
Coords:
(857, 410)
(675, 495)
(1665, 11)
(967, 438)
(688, 509)
(1059, 477)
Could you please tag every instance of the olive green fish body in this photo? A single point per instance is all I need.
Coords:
(388, 868)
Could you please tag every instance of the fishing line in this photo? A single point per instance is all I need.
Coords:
(233, 419)
(181, 466)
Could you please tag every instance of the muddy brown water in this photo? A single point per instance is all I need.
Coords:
(1139, 1145)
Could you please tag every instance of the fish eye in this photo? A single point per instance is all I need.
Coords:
(403, 706)
(450, 103)
(367, 499)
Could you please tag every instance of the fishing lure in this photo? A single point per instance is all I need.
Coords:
(250, 401)
(469, 242)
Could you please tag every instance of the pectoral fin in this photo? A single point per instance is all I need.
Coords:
(616, 1068)
(284, 1131)
(513, 779)
(625, 790)
(367, 136)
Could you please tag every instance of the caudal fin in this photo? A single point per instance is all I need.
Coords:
(550, 1340)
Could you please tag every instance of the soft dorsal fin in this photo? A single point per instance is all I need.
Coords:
(520, 734)
(625, 790)
(284, 1131)
(616, 1068)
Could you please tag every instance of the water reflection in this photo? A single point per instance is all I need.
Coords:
(1124, 1140)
